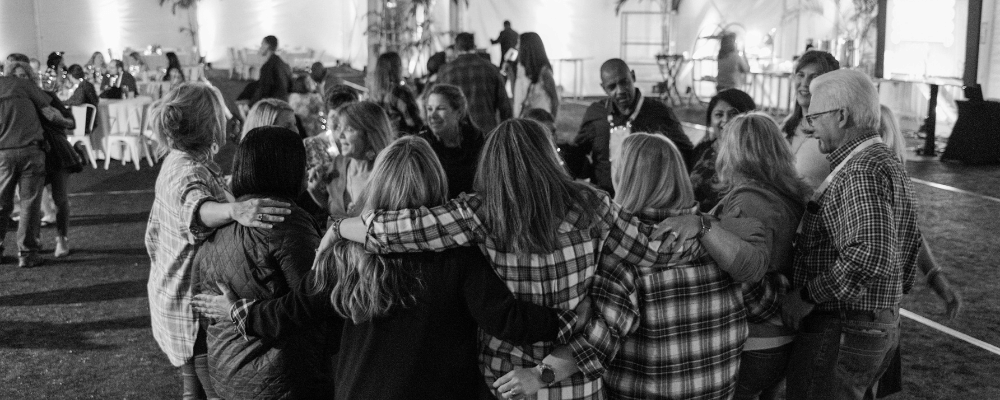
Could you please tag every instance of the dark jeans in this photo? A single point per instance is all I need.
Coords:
(841, 355)
(761, 372)
(23, 168)
(59, 179)
(194, 373)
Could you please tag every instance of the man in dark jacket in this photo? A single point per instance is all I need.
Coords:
(119, 78)
(275, 75)
(481, 83)
(507, 40)
(624, 111)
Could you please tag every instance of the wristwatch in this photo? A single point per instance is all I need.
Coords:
(706, 225)
(547, 374)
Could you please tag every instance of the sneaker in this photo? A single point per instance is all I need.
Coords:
(31, 260)
(62, 247)
(46, 221)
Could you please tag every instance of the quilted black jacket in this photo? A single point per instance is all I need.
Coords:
(263, 264)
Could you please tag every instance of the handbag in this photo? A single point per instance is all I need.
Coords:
(59, 153)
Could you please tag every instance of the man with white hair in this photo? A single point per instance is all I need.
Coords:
(856, 250)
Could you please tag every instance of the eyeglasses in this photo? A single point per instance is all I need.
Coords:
(812, 117)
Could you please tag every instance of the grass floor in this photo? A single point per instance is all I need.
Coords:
(79, 328)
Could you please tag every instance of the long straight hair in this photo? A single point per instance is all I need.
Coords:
(891, 134)
(752, 150)
(532, 55)
(372, 123)
(526, 193)
(407, 174)
(650, 174)
(387, 75)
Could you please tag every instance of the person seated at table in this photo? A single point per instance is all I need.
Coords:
(55, 70)
(137, 65)
(83, 91)
(270, 112)
(175, 74)
(96, 68)
(118, 82)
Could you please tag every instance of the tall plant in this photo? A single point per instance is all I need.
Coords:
(406, 27)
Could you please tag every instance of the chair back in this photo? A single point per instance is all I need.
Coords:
(86, 113)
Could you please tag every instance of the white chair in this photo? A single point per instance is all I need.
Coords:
(85, 115)
(136, 144)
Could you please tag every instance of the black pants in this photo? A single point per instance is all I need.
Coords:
(197, 383)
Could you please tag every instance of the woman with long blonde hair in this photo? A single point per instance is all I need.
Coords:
(270, 112)
(409, 319)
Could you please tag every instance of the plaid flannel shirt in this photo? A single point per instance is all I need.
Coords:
(482, 85)
(173, 234)
(559, 279)
(858, 250)
(673, 330)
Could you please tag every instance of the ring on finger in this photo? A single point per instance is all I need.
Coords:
(260, 217)
(675, 234)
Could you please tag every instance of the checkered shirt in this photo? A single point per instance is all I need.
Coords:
(858, 250)
(173, 234)
(482, 85)
(673, 330)
(559, 279)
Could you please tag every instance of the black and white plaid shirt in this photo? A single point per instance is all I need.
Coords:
(858, 248)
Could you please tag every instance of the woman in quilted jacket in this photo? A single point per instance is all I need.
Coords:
(262, 264)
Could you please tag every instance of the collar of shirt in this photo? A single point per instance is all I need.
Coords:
(837, 156)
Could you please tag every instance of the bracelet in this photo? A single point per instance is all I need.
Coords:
(706, 225)
(335, 227)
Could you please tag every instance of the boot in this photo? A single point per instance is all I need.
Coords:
(62, 246)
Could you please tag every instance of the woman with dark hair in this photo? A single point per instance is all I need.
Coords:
(363, 131)
(387, 76)
(812, 165)
(534, 86)
(84, 91)
(401, 106)
(175, 73)
(55, 73)
(543, 232)
(732, 66)
(723, 107)
(264, 264)
(456, 140)
(191, 201)
(408, 319)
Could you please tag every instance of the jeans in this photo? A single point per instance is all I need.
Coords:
(761, 372)
(24, 168)
(194, 373)
(841, 355)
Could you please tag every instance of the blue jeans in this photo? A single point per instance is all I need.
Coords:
(841, 355)
(22, 168)
(761, 372)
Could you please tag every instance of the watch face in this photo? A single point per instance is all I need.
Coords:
(548, 376)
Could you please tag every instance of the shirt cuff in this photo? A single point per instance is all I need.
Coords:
(567, 319)
(239, 314)
(587, 359)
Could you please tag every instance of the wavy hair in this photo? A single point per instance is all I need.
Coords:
(456, 99)
(753, 151)
(650, 174)
(189, 118)
(526, 194)
(371, 121)
(265, 112)
(826, 63)
(365, 286)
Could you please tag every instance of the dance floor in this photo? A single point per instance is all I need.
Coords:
(79, 327)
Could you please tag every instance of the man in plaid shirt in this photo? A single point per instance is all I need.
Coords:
(481, 83)
(856, 249)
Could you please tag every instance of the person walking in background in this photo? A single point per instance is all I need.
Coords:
(191, 201)
(534, 86)
(481, 83)
(733, 66)
(507, 39)
(275, 75)
(857, 250)
(722, 108)
(607, 122)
